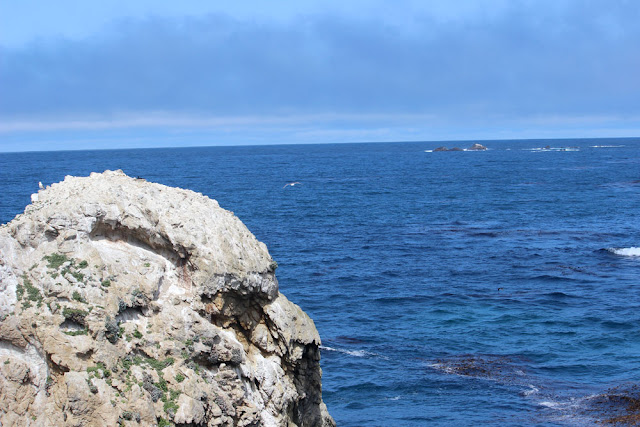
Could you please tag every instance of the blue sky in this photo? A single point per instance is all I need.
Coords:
(112, 74)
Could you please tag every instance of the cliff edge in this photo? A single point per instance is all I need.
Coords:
(124, 301)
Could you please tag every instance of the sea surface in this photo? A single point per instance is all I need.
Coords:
(499, 287)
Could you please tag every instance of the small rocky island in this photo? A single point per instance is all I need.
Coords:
(132, 303)
(474, 147)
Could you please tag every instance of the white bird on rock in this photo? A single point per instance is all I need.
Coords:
(40, 185)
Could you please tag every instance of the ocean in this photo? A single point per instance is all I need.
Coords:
(497, 287)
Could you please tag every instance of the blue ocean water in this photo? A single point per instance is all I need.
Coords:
(450, 288)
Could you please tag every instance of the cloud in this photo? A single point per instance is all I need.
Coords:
(525, 60)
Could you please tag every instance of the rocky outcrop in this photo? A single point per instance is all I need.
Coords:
(123, 301)
(474, 147)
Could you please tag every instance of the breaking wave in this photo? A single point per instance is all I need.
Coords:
(354, 353)
(632, 251)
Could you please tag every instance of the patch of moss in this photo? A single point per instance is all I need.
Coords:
(33, 293)
(78, 276)
(180, 378)
(74, 314)
(99, 366)
(77, 297)
(19, 292)
(83, 264)
(170, 405)
(55, 260)
(76, 333)
(162, 385)
(137, 334)
(106, 283)
(160, 365)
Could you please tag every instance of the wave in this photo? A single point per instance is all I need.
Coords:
(606, 146)
(354, 353)
(543, 149)
(632, 251)
(532, 390)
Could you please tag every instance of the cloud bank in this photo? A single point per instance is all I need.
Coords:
(520, 63)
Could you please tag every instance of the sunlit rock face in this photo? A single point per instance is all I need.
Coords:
(127, 301)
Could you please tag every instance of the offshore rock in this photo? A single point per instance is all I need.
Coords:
(123, 301)
(474, 147)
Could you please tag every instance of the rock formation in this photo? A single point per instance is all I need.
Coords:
(474, 147)
(132, 303)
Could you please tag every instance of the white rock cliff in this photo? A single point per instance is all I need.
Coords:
(124, 301)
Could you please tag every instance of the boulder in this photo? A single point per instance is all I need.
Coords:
(124, 301)
(477, 147)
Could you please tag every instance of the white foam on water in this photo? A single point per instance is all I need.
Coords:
(428, 151)
(606, 146)
(552, 404)
(632, 251)
(355, 353)
(532, 390)
(571, 411)
(544, 149)
(442, 367)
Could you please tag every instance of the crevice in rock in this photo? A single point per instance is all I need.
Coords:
(130, 314)
(85, 356)
(144, 239)
(71, 325)
(54, 368)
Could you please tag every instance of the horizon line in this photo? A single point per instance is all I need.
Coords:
(325, 143)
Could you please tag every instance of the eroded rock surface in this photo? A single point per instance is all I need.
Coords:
(123, 301)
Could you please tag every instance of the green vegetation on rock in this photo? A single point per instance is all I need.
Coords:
(55, 260)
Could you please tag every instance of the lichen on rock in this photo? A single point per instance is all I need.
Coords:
(124, 301)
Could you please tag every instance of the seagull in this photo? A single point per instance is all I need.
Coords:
(40, 186)
(292, 184)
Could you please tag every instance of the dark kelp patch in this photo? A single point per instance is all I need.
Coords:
(503, 369)
(618, 406)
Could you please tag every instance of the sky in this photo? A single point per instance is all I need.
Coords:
(150, 73)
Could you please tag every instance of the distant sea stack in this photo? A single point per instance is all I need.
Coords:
(124, 301)
(474, 147)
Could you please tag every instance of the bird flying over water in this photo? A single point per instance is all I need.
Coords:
(292, 184)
